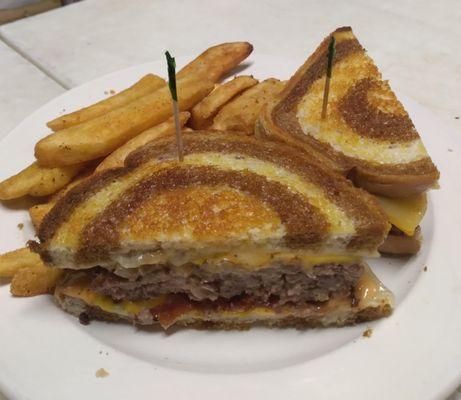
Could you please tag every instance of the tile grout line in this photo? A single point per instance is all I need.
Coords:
(32, 61)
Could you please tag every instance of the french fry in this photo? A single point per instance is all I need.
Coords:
(100, 136)
(117, 158)
(240, 114)
(202, 113)
(37, 180)
(38, 212)
(217, 61)
(36, 280)
(13, 261)
(145, 85)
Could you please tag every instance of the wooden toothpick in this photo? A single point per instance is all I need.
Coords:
(326, 91)
(174, 96)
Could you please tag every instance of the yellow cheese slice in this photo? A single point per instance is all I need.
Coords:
(252, 257)
(405, 213)
(260, 258)
(105, 303)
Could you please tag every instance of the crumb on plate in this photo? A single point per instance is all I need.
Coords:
(367, 333)
(425, 268)
(101, 373)
(20, 226)
(84, 319)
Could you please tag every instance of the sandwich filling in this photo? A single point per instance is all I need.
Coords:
(160, 293)
(276, 284)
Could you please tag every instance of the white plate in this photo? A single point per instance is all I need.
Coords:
(414, 354)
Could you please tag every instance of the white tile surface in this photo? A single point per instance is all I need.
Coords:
(414, 43)
(23, 88)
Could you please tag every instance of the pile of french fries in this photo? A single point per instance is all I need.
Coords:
(101, 136)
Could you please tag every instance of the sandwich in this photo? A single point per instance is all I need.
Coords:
(241, 232)
(366, 136)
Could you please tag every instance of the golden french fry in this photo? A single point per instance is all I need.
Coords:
(240, 113)
(202, 113)
(145, 85)
(100, 136)
(117, 158)
(217, 61)
(37, 180)
(13, 261)
(38, 212)
(36, 280)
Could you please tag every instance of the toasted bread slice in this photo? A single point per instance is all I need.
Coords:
(231, 195)
(398, 243)
(367, 134)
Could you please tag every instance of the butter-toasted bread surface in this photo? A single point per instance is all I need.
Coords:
(367, 134)
(231, 193)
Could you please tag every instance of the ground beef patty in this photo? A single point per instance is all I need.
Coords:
(279, 284)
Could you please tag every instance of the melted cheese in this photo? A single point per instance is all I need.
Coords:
(105, 303)
(405, 213)
(370, 292)
(263, 259)
(251, 257)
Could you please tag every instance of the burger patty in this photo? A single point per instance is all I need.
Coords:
(280, 284)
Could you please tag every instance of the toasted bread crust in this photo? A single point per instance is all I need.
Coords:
(73, 198)
(153, 170)
(401, 244)
(361, 115)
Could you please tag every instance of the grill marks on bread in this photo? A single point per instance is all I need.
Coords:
(368, 119)
(304, 224)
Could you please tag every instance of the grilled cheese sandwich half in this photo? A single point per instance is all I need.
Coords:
(367, 134)
(242, 231)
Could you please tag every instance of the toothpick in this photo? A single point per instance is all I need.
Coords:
(326, 91)
(174, 96)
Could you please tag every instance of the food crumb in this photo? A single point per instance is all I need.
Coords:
(20, 226)
(101, 373)
(367, 333)
(106, 92)
(456, 117)
(112, 91)
(84, 319)
(450, 150)
(425, 268)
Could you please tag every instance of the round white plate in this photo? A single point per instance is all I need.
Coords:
(414, 354)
